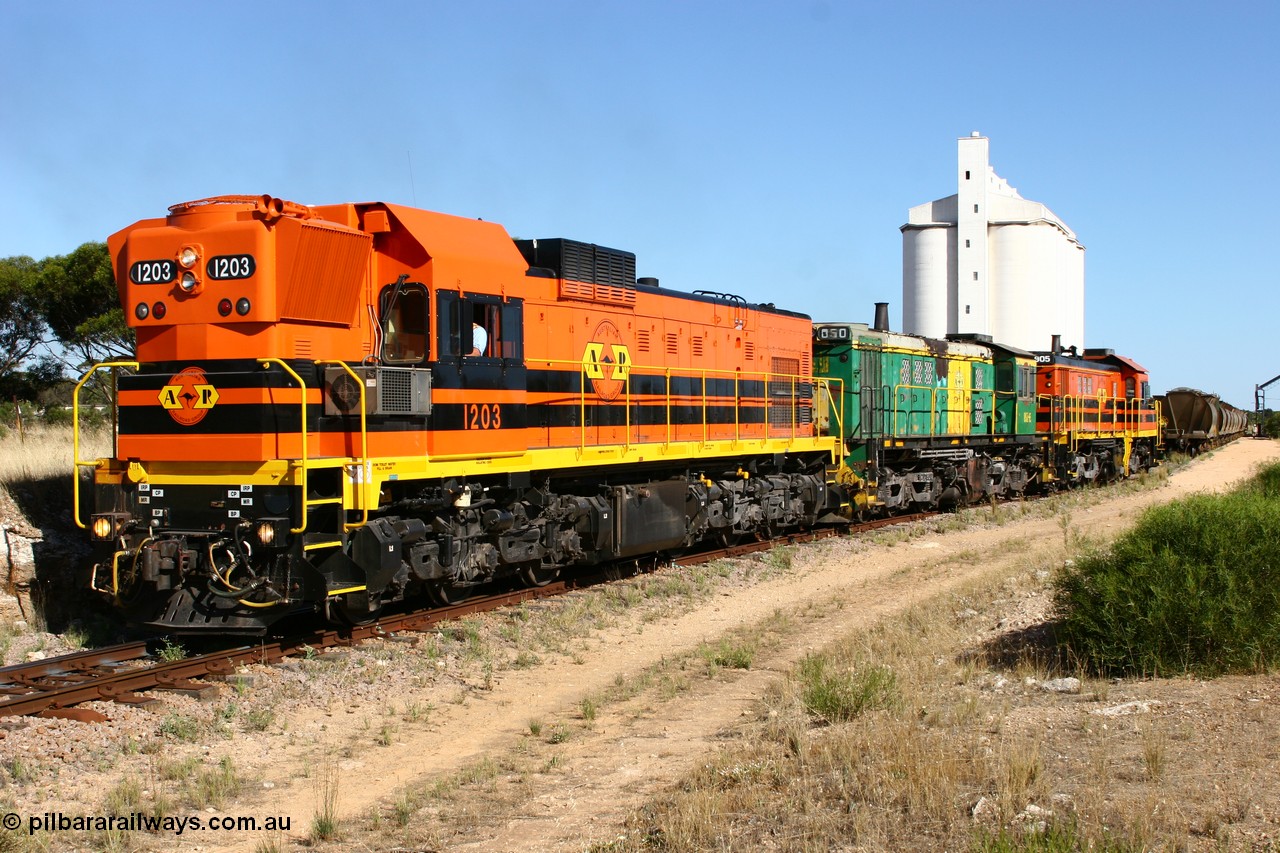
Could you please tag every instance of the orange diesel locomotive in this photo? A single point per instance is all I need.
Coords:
(337, 407)
(1097, 411)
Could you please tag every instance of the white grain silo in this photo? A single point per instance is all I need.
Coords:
(929, 274)
(986, 261)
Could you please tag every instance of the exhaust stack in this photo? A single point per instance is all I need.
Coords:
(881, 323)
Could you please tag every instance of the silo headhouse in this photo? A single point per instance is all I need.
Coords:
(987, 261)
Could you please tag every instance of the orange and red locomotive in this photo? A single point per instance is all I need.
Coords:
(1097, 411)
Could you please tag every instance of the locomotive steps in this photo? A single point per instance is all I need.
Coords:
(630, 687)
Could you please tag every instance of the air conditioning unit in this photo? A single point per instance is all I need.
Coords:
(387, 391)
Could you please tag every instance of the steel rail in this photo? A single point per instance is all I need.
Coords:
(52, 687)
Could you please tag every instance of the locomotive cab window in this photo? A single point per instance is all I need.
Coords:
(481, 327)
(1005, 377)
(1026, 382)
(486, 330)
(405, 324)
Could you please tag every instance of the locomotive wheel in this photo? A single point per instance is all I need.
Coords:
(536, 575)
(445, 594)
(356, 618)
(729, 538)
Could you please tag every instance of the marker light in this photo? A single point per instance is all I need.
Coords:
(158, 310)
(242, 306)
(141, 311)
(224, 307)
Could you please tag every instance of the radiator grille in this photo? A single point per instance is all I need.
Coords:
(325, 276)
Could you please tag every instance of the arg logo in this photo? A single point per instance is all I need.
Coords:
(607, 362)
(188, 397)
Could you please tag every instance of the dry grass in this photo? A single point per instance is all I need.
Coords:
(42, 452)
(968, 753)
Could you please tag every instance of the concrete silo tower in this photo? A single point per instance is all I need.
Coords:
(986, 261)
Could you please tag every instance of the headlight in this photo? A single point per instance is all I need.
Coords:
(105, 526)
(188, 257)
(272, 532)
(188, 282)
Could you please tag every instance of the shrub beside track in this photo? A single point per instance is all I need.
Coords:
(1194, 587)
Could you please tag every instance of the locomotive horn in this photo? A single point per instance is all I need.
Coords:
(272, 208)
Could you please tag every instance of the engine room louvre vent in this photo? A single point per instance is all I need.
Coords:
(584, 262)
(749, 351)
(597, 293)
(673, 344)
(695, 343)
(642, 340)
(784, 393)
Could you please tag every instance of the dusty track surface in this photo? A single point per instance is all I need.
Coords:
(650, 713)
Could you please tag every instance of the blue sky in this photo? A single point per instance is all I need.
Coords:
(768, 149)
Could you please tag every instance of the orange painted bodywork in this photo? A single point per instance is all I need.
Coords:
(313, 296)
(1079, 400)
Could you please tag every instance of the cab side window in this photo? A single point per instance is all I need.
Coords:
(1005, 377)
(405, 324)
(480, 327)
(486, 329)
(1026, 382)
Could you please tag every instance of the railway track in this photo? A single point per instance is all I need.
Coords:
(129, 672)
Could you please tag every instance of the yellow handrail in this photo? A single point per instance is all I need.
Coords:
(933, 407)
(77, 462)
(737, 407)
(666, 414)
(303, 429)
(629, 397)
(365, 473)
(705, 429)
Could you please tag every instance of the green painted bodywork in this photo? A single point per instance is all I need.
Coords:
(901, 387)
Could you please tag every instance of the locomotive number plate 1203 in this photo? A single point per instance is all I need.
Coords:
(224, 267)
(152, 272)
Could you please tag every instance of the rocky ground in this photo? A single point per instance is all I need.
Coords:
(552, 726)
